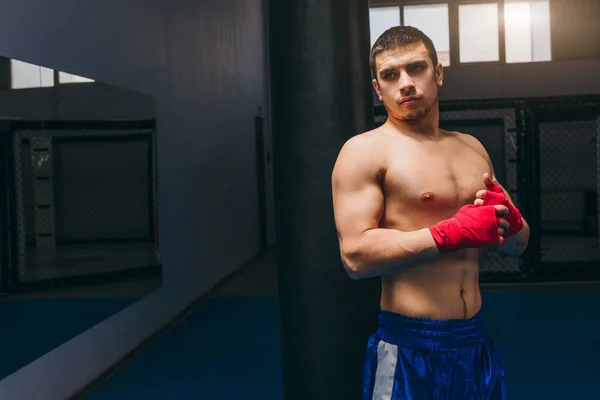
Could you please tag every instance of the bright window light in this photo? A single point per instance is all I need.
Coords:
(433, 20)
(478, 32)
(381, 19)
(527, 31)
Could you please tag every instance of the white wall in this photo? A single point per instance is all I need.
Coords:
(204, 63)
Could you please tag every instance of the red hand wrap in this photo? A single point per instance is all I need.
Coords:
(472, 226)
(495, 195)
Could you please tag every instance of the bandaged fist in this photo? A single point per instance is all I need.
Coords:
(494, 195)
(471, 227)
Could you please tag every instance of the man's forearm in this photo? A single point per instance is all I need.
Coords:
(382, 252)
(515, 245)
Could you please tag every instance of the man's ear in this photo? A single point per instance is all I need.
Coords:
(439, 75)
(377, 89)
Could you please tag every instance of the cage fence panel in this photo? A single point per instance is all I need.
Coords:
(103, 190)
(85, 202)
(569, 183)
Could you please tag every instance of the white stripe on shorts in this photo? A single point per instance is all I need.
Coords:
(387, 357)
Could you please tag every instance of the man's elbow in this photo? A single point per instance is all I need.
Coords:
(351, 259)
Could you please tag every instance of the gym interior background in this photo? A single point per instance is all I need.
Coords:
(172, 101)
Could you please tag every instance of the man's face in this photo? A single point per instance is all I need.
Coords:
(407, 81)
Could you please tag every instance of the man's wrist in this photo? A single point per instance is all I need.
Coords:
(515, 244)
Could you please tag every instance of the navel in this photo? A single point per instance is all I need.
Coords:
(427, 196)
(462, 297)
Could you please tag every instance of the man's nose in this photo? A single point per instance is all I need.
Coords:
(406, 84)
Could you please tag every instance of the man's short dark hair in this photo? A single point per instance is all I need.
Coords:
(400, 36)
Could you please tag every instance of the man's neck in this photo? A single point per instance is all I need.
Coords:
(427, 126)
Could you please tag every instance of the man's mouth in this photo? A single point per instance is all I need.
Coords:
(409, 100)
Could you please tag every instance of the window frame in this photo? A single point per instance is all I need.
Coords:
(453, 6)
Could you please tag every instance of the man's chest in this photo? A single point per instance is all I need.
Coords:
(446, 178)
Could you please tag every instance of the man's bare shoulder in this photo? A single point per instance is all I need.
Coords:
(364, 144)
(474, 143)
(364, 152)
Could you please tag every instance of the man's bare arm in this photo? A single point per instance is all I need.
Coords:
(358, 201)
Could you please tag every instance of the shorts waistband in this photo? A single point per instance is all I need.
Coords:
(423, 333)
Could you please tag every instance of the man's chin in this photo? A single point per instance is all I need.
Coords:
(402, 114)
(414, 116)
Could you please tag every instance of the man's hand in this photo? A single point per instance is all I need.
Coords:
(494, 195)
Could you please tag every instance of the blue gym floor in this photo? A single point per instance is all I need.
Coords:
(33, 327)
(229, 347)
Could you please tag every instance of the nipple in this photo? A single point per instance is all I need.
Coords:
(427, 196)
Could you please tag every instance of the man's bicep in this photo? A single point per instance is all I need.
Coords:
(357, 209)
(357, 195)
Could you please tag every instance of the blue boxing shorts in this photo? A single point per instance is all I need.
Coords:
(423, 359)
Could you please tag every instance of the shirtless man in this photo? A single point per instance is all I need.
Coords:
(415, 205)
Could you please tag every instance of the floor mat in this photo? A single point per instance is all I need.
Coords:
(229, 348)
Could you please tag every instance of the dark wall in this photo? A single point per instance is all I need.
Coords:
(572, 71)
(575, 29)
(204, 63)
(555, 78)
(80, 101)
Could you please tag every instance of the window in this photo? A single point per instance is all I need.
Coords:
(527, 31)
(432, 19)
(478, 32)
(64, 77)
(525, 25)
(381, 19)
(25, 75)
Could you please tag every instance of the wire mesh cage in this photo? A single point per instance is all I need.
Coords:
(569, 195)
(85, 202)
(546, 154)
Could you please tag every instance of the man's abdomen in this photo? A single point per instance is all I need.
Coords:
(445, 289)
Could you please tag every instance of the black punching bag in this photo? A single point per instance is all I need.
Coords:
(321, 96)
